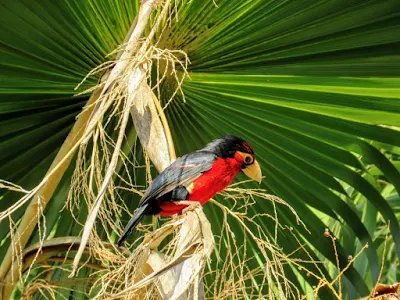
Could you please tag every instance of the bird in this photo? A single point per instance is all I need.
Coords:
(195, 178)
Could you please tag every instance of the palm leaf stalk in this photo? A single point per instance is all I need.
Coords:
(40, 196)
(79, 133)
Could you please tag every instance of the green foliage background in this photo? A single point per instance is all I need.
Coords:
(313, 85)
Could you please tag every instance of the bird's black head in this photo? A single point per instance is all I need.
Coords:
(235, 147)
(228, 145)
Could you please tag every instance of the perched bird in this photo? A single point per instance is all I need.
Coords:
(196, 176)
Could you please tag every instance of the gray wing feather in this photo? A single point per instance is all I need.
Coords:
(182, 172)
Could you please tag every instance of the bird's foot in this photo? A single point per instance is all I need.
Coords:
(192, 205)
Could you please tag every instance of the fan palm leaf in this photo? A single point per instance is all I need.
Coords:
(313, 85)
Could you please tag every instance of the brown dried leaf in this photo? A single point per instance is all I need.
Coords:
(386, 292)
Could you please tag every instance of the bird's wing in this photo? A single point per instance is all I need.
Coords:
(181, 172)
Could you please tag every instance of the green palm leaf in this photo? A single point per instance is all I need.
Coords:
(313, 86)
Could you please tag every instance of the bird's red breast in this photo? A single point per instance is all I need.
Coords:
(208, 184)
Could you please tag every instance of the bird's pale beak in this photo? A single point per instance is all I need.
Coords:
(253, 171)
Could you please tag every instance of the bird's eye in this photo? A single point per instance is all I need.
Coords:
(248, 160)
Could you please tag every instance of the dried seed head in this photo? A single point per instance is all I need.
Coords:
(350, 257)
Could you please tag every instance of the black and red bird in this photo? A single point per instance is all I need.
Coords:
(196, 176)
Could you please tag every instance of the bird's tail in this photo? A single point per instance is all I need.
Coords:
(132, 223)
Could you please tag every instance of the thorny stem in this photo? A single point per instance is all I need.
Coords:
(337, 265)
(322, 279)
(382, 263)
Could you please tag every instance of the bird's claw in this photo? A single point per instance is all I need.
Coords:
(191, 205)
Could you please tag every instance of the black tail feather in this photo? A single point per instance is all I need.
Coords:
(137, 217)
